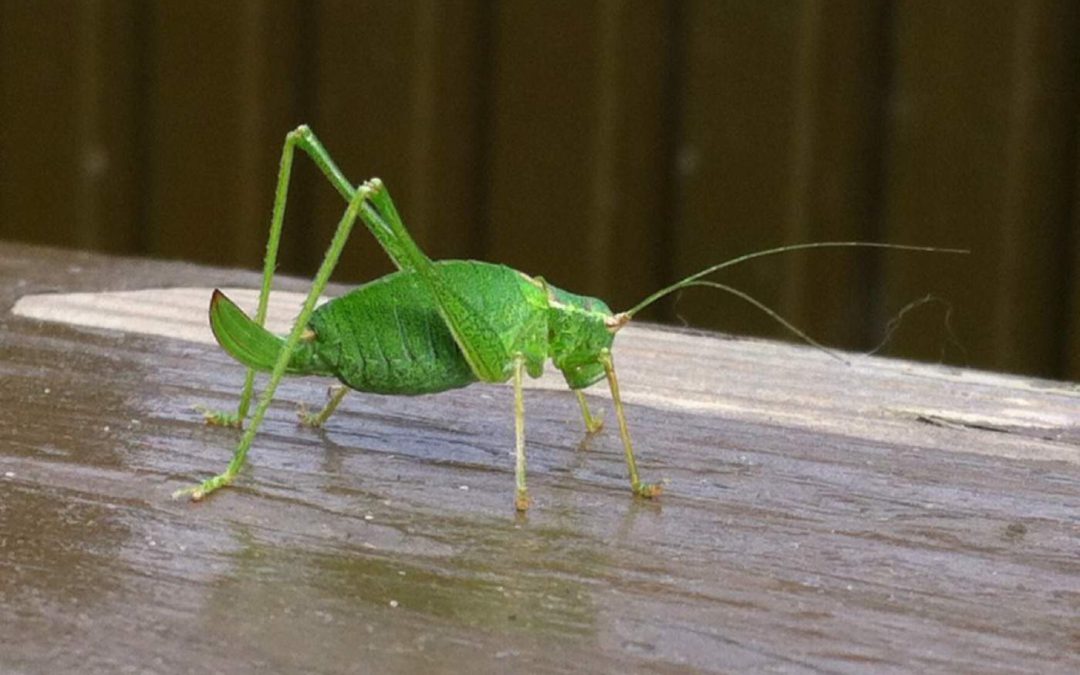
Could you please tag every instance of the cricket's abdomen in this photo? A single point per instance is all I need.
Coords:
(387, 336)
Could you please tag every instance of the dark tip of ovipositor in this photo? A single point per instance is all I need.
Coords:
(216, 297)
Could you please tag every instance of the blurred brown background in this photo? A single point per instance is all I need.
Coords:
(611, 146)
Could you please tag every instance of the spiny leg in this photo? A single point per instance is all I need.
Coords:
(592, 424)
(640, 489)
(322, 278)
(319, 418)
(303, 138)
(521, 501)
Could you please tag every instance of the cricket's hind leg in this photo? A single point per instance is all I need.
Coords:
(521, 498)
(305, 139)
(322, 278)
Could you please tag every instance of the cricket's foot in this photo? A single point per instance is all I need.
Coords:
(220, 418)
(648, 490)
(317, 419)
(594, 425)
(308, 418)
(522, 501)
(200, 491)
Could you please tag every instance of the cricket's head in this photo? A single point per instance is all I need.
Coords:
(578, 333)
(615, 322)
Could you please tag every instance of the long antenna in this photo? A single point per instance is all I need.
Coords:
(693, 278)
(772, 313)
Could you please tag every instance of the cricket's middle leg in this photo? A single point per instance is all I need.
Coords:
(521, 500)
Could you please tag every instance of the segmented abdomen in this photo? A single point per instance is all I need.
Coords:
(387, 337)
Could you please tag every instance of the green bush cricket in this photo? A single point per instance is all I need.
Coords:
(430, 326)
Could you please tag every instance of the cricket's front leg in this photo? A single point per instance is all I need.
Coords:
(521, 500)
(647, 490)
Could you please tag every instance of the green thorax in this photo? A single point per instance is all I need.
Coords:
(577, 333)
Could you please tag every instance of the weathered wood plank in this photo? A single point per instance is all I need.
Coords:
(882, 515)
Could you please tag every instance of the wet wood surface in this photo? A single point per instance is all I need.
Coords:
(874, 516)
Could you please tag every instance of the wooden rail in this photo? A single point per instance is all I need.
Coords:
(877, 515)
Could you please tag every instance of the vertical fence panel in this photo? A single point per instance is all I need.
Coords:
(66, 116)
(841, 79)
(270, 90)
(106, 151)
(543, 129)
(630, 166)
(447, 150)
(1041, 188)
(396, 96)
(1071, 332)
(578, 170)
(37, 137)
(212, 86)
(781, 145)
(983, 140)
(735, 152)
